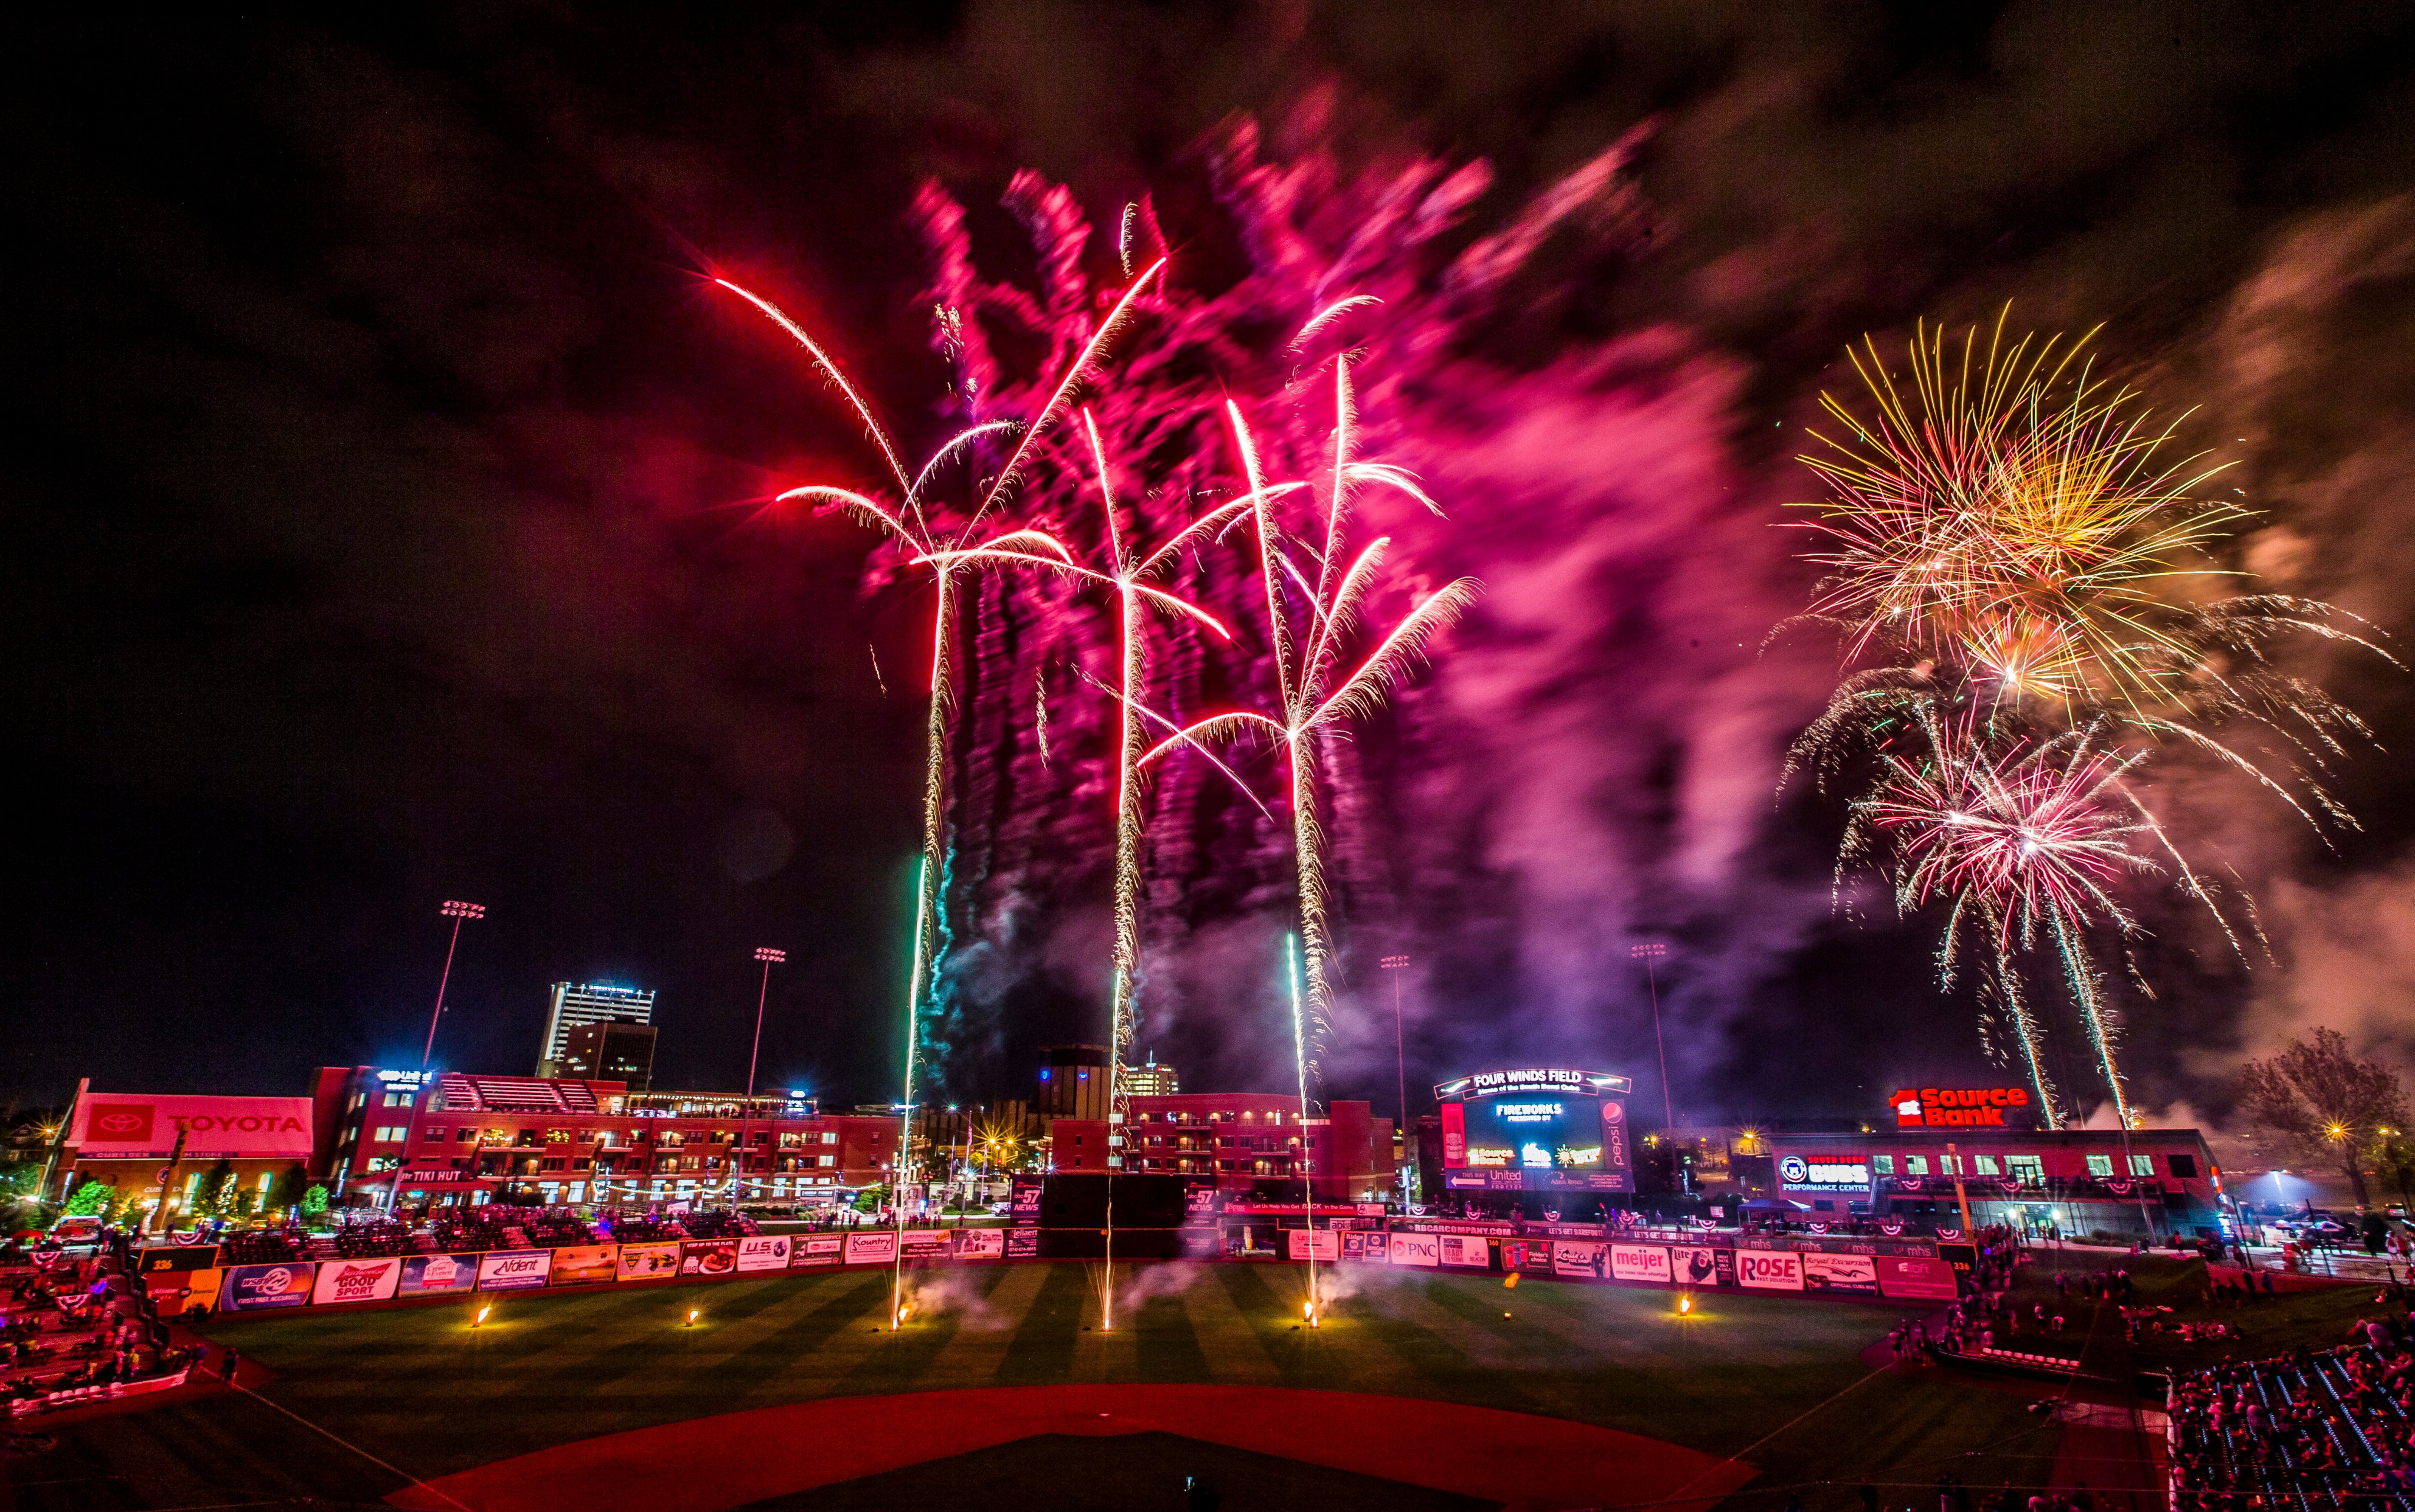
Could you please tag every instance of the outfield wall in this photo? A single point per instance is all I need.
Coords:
(1902, 1269)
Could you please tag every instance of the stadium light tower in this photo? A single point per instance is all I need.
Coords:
(769, 958)
(1649, 952)
(1398, 966)
(457, 912)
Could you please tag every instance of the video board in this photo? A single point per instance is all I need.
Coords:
(1536, 1129)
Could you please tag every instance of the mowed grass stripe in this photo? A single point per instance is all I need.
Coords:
(1165, 1346)
(1226, 1341)
(1269, 1299)
(1000, 1303)
(1042, 1351)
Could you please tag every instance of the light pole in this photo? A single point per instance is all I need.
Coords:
(769, 958)
(1398, 966)
(458, 912)
(1648, 952)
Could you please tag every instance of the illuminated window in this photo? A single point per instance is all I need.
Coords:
(1915, 1165)
(1950, 1164)
(1986, 1166)
(2142, 1165)
(1884, 1164)
(2100, 1165)
(2031, 1170)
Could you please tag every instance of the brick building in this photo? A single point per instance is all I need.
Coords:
(463, 1139)
(1243, 1142)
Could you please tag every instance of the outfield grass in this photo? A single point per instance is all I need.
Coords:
(418, 1388)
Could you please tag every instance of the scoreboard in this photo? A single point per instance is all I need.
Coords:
(1536, 1129)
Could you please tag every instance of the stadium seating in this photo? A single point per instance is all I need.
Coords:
(2298, 1430)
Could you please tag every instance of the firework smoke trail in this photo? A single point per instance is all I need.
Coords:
(906, 1117)
(1299, 1064)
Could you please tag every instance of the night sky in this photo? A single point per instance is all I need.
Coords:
(382, 529)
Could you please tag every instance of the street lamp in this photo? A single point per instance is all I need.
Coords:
(769, 958)
(1397, 965)
(1648, 952)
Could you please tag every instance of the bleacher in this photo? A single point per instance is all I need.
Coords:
(640, 1228)
(720, 1224)
(260, 1247)
(369, 1240)
(2331, 1429)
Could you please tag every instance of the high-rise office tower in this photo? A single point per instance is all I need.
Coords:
(590, 1002)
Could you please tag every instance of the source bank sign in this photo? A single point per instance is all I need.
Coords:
(1962, 1107)
(126, 1126)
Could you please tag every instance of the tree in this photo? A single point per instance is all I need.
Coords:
(314, 1202)
(91, 1200)
(2324, 1103)
(215, 1186)
(286, 1190)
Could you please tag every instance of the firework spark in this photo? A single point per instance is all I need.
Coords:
(907, 521)
(1307, 655)
(2016, 546)
(2027, 839)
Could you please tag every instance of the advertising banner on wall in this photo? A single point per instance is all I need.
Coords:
(1916, 1277)
(929, 1244)
(422, 1274)
(1298, 1243)
(1639, 1263)
(763, 1252)
(816, 1249)
(259, 1288)
(1581, 1259)
(648, 1262)
(514, 1270)
(708, 1257)
(1696, 1264)
(1526, 1254)
(126, 1126)
(1423, 1249)
(356, 1281)
(581, 1264)
(980, 1244)
(877, 1249)
(1840, 1273)
(1770, 1271)
(1466, 1250)
(1022, 1244)
(186, 1290)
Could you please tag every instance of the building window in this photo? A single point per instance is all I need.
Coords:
(2030, 1167)
(1915, 1165)
(830, 1136)
(463, 1136)
(2100, 1165)
(826, 1160)
(1882, 1164)
(2142, 1165)
(2184, 1166)
(1950, 1164)
(1986, 1166)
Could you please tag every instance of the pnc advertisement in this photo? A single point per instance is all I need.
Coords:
(137, 1126)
